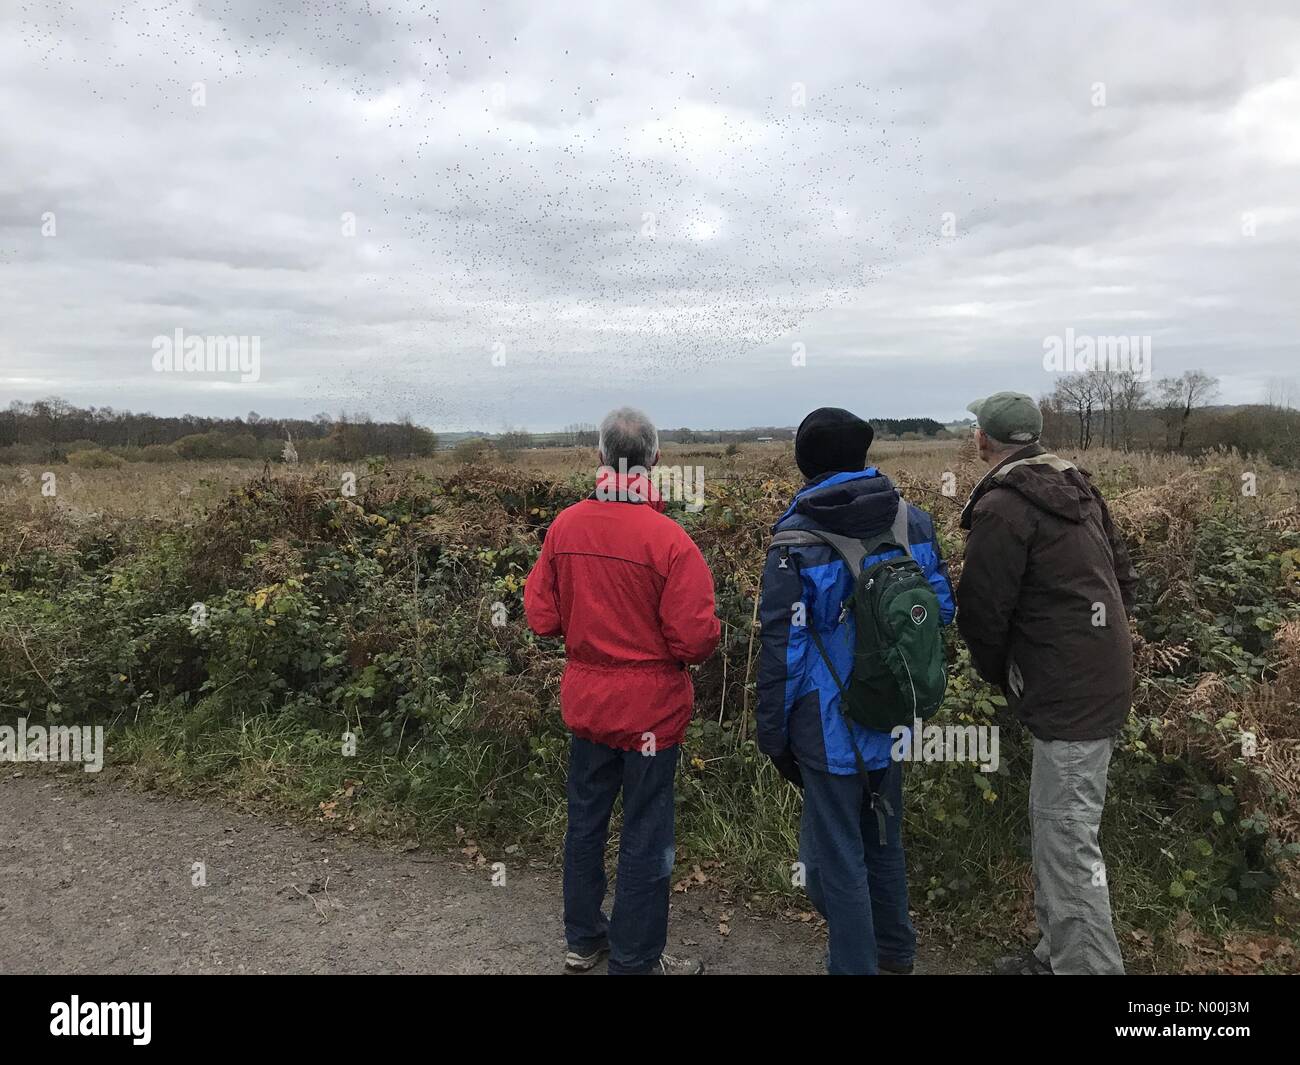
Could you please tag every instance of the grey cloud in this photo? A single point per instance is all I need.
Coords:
(500, 163)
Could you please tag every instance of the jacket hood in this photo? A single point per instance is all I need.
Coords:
(1049, 482)
(856, 504)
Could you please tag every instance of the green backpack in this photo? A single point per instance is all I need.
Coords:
(898, 660)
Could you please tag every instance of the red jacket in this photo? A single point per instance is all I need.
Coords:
(633, 598)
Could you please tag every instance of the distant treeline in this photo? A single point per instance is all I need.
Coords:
(50, 430)
(907, 428)
(1122, 410)
(897, 428)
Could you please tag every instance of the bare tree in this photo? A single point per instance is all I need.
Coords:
(582, 434)
(1103, 390)
(1281, 393)
(1131, 395)
(511, 442)
(1078, 394)
(1055, 418)
(1179, 396)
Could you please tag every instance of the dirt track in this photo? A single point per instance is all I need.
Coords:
(96, 878)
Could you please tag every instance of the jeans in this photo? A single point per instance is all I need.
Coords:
(638, 928)
(1067, 791)
(857, 883)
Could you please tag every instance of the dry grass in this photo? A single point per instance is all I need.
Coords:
(178, 489)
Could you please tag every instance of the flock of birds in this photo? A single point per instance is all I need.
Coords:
(562, 217)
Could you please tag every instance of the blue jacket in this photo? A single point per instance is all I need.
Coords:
(798, 701)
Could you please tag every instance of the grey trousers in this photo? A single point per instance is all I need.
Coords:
(1067, 791)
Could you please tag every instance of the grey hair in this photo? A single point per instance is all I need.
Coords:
(1004, 447)
(628, 434)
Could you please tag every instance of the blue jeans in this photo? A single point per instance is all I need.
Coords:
(856, 883)
(638, 929)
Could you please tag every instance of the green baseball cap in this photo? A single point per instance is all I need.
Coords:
(1008, 417)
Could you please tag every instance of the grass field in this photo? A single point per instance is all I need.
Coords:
(175, 488)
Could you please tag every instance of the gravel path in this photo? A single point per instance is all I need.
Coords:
(97, 878)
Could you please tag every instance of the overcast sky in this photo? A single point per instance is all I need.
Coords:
(725, 212)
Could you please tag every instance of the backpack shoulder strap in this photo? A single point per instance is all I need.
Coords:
(852, 551)
(792, 537)
(900, 526)
(896, 534)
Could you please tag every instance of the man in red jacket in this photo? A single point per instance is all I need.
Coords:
(633, 598)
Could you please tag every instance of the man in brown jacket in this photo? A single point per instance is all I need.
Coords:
(1046, 589)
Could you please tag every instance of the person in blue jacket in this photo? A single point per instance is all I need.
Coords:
(850, 839)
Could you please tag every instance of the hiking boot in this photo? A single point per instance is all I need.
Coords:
(584, 963)
(667, 965)
(894, 968)
(1021, 965)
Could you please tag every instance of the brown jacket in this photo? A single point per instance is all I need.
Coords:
(1045, 590)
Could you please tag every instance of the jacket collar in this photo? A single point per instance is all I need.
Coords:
(615, 487)
(1033, 455)
(986, 482)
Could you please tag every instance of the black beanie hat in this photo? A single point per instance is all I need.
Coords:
(831, 440)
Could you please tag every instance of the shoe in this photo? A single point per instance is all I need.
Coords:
(894, 968)
(667, 965)
(584, 963)
(1021, 965)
